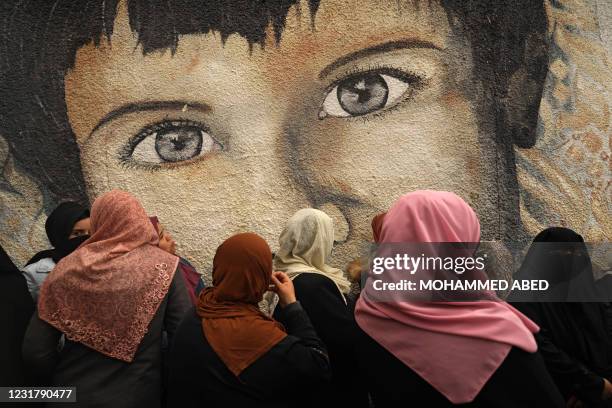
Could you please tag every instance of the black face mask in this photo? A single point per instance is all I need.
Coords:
(68, 247)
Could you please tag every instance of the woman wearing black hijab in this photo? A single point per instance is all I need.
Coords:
(17, 308)
(67, 227)
(576, 336)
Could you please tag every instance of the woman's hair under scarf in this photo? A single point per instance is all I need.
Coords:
(305, 246)
(58, 226)
(454, 346)
(377, 223)
(233, 325)
(105, 294)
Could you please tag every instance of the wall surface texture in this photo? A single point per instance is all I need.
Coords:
(224, 116)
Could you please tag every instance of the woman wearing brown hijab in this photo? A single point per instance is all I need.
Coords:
(226, 353)
(111, 298)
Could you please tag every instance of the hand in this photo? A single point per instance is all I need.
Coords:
(606, 394)
(283, 286)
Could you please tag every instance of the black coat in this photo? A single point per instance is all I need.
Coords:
(575, 340)
(575, 319)
(334, 322)
(103, 381)
(286, 376)
(520, 382)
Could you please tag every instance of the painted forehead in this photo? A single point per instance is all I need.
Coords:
(160, 26)
(339, 33)
(331, 27)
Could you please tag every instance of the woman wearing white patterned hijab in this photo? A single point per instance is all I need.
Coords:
(306, 245)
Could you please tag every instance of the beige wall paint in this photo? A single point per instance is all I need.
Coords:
(275, 151)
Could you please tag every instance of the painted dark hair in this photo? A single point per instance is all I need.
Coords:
(39, 40)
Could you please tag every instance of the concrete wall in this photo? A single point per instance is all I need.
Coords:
(342, 105)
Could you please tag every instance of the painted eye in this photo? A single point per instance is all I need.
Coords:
(173, 142)
(362, 94)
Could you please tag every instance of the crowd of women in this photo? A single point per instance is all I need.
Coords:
(114, 312)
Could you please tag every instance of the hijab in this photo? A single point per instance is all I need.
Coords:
(105, 294)
(190, 275)
(305, 247)
(233, 325)
(454, 346)
(560, 256)
(58, 227)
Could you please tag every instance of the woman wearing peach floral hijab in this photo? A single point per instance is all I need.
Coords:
(111, 298)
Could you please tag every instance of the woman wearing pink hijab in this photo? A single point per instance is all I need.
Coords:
(111, 298)
(440, 354)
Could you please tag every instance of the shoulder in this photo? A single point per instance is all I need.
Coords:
(42, 266)
(315, 281)
(185, 262)
(312, 281)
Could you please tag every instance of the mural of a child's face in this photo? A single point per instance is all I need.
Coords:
(377, 100)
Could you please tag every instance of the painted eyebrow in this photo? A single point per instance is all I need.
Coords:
(377, 49)
(148, 106)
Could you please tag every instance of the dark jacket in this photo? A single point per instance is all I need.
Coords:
(334, 322)
(293, 369)
(17, 308)
(102, 381)
(575, 340)
(520, 382)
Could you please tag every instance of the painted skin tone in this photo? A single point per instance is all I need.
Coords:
(80, 228)
(377, 101)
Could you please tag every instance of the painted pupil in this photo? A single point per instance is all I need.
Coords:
(178, 144)
(363, 94)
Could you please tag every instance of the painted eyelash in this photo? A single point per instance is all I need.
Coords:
(159, 126)
(376, 115)
(127, 164)
(416, 82)
(408, 76)
(127, 149)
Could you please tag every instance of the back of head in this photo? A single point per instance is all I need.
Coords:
(242, 269)
(430, 216)
(118, 217)
(558, 234)
(308, 236)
